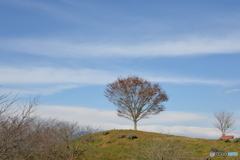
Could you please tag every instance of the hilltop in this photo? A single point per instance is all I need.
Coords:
(148, 144)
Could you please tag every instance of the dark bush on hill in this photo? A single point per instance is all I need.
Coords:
(131, 136)
(207, 158)
(121, 136)
(105, 132)
(236, 140)
(215, 149)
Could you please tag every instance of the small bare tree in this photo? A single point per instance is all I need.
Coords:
(136, 98)
(225, 121)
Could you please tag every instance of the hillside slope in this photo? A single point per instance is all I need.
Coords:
(150, 145)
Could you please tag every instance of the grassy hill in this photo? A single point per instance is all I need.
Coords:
(150, 145)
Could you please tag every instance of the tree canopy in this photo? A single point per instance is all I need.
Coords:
(136, 98)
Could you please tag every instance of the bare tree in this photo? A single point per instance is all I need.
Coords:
(25, 135)
(136, 98)
(15, 126)
(73, 148)
(225, 121)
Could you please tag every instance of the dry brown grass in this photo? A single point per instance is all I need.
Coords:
(109, 146)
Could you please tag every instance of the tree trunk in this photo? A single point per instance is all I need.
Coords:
(135, 125)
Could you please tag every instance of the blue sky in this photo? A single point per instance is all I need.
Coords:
(68, 50)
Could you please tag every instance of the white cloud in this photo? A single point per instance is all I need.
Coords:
(95, 115)
(185, 46)
(109, 120)
(181, 80)
(35, 89)
(233, 90)
(190, 131)
(44, 75)
(171, 117)
(81, 114)
(75, 77)
(197, 132)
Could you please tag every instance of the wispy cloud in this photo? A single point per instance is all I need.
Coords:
(48, 75)
(44, 75)
(60, 10)
(37, 89)
(186, 80)
(183, 47)
(233, 90)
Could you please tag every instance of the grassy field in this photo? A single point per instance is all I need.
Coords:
(150, 145)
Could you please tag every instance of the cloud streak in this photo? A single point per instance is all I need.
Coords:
(35, 89)
(44, 75)
(184, 47)
(233, 90)
(49, 75)
(186, 80)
